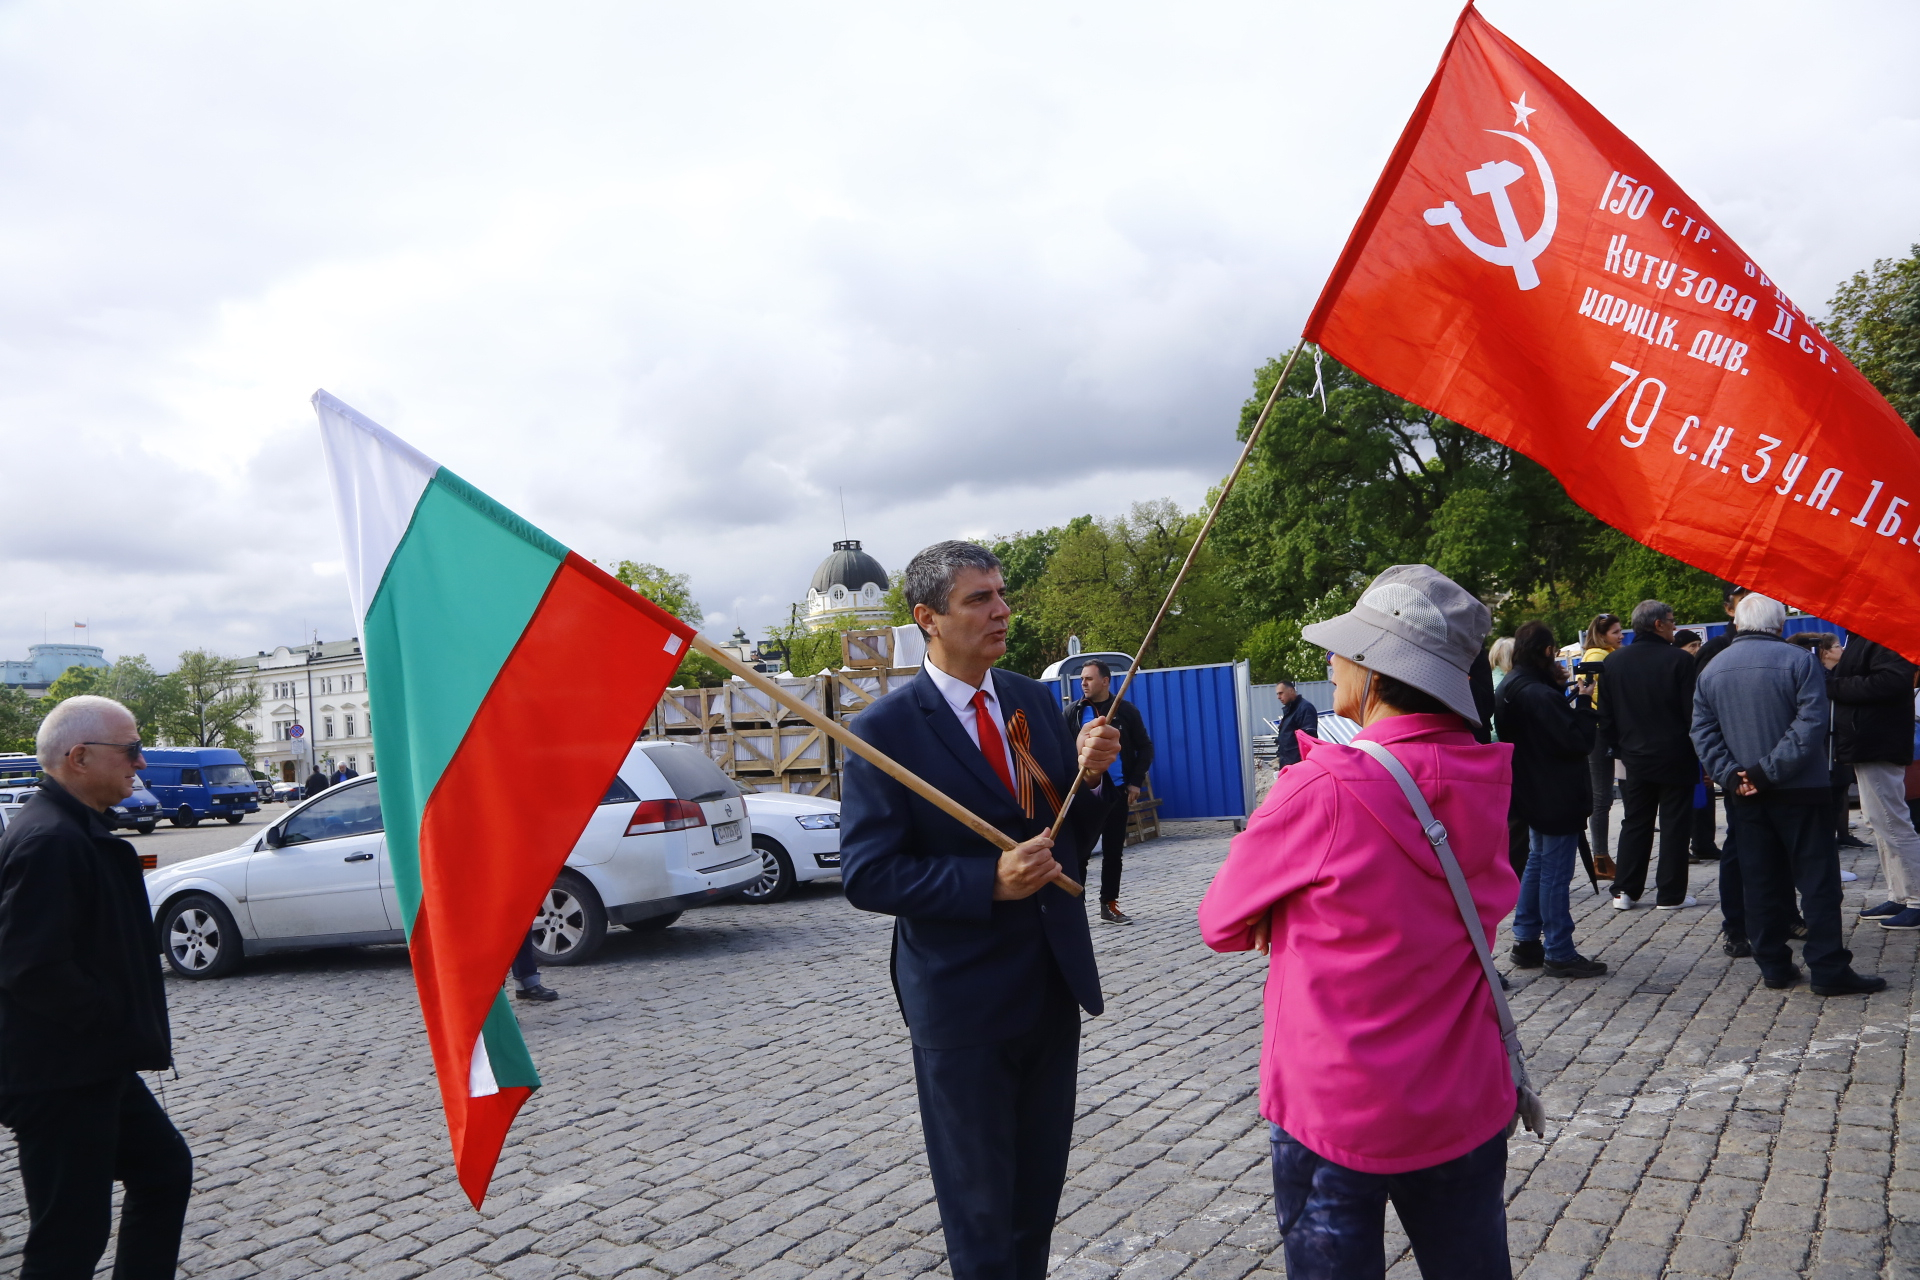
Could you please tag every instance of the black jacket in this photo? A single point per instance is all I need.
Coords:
(967, 970)
(1551, 737)
(1646, 709)
(80, 994)
(1872, 691)
(1711, 650)
(316, 783)
(1136, 748)
(1299, 717)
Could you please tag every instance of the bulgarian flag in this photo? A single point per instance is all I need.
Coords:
(490, 646)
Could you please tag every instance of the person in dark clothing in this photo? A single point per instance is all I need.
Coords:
(1552, 794)
(1297, 716)
(1733, 897)
(1703, 849)
(316, 782)
(83, 1012)
(1127, 777)
(1603, 636)
(1872, 691)
(1645, 715)
(1825, 646)
(1760, 727)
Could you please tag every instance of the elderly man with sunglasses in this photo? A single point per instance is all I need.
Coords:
(82, 1013)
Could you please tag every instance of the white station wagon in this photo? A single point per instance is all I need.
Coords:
(671, 833)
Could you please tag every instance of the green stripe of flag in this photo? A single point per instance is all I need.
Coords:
(468, 571)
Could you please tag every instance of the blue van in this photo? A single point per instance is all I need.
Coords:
(18, 766)
(192, 783)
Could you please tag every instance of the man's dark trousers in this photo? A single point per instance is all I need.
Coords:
(1733, 886)
(1783, 848)
(1113, 839)
(1674, 804)
(74, 1144)
(998, 1120)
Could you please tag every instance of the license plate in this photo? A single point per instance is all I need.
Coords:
(726, 832)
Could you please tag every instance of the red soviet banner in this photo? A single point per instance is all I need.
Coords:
(1524, 269)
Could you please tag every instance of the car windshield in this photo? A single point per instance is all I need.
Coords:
(691, 774)
(348, 811)
(226, 775)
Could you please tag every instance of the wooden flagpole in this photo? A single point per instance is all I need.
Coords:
(1253, 437)
(873, 755)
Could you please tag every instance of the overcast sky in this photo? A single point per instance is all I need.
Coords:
(667, 278)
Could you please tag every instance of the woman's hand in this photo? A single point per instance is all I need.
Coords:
(1260, 928)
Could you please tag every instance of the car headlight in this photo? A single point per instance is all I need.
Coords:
(819, 821)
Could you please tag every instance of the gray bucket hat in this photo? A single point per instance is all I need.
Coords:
(1417, 625)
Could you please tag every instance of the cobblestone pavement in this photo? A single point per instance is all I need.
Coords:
(731, 1097)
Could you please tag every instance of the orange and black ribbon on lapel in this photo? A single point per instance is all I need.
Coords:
(1026, 769)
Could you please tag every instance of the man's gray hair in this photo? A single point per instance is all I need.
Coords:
(929, 576)
(1650, 613)
(1759, 613)
(71, 722)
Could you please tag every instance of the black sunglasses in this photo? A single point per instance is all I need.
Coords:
(132, 749)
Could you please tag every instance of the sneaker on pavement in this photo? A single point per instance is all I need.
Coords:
(1854, 984)
(1781, 983)
(1851, 841)
(1112, 914)
(1528, 953)
(1882, 911)
(1578, 967)
(1621, 902)
(1688, 901)
(1847, 877)
(1908, 919)
(539, 992)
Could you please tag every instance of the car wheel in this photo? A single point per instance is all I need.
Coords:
(653, 924)
(572, 922)
(776, 873)
(146, 828)
(199, 938)
(233, 819)
(186, 817)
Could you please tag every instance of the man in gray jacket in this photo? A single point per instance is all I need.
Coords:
(1760, 728)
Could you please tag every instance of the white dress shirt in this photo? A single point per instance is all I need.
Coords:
(959, 696)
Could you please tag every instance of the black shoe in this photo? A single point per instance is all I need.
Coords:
(1578, 967)
(539, 992)
(1851, 841)
(1792, 979)
(1799, 929)
(1854, 984)
(1738, 948)
(1528, 954)
(1112, 914)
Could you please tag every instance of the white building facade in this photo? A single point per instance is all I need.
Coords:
(320, 689)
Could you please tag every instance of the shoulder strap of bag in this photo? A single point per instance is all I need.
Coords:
(1436, 833)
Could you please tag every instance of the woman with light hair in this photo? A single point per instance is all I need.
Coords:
(1501, 658)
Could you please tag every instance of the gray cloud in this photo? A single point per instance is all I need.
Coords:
(669, 280)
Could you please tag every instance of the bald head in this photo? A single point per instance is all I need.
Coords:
(91, 746)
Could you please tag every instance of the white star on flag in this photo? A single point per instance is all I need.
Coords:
(1521, 111)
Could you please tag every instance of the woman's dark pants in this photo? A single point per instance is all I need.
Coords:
(1333, 1218)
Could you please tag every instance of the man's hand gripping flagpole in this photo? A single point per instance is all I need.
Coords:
(1253, 438)
(879, 759)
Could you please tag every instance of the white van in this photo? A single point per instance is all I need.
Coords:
(671, 833)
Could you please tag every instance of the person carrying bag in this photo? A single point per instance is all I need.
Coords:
(1372, 877)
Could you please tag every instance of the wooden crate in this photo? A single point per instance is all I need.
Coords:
(855, 691)
(781, 749)
(824, 785)
(862, 650)
(1143, 816)
(746, 707)
(688, 712)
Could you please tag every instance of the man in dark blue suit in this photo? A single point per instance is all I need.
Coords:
(991, 963)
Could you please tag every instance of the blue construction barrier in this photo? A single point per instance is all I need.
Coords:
(1202, 728)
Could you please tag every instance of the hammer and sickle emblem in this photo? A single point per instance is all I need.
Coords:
(1492, 179)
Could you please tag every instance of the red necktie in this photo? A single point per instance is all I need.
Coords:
(990, 745)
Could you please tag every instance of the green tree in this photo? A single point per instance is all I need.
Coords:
(213, 698)
(132, 682)
(20, 716)
(674, 593)
(1875, 318)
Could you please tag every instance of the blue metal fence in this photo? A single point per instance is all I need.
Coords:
(1202, 726)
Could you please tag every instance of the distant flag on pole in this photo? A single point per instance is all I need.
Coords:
(487, 643)
(1524, 269)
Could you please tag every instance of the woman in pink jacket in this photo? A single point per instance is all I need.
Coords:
(1382, 1072)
